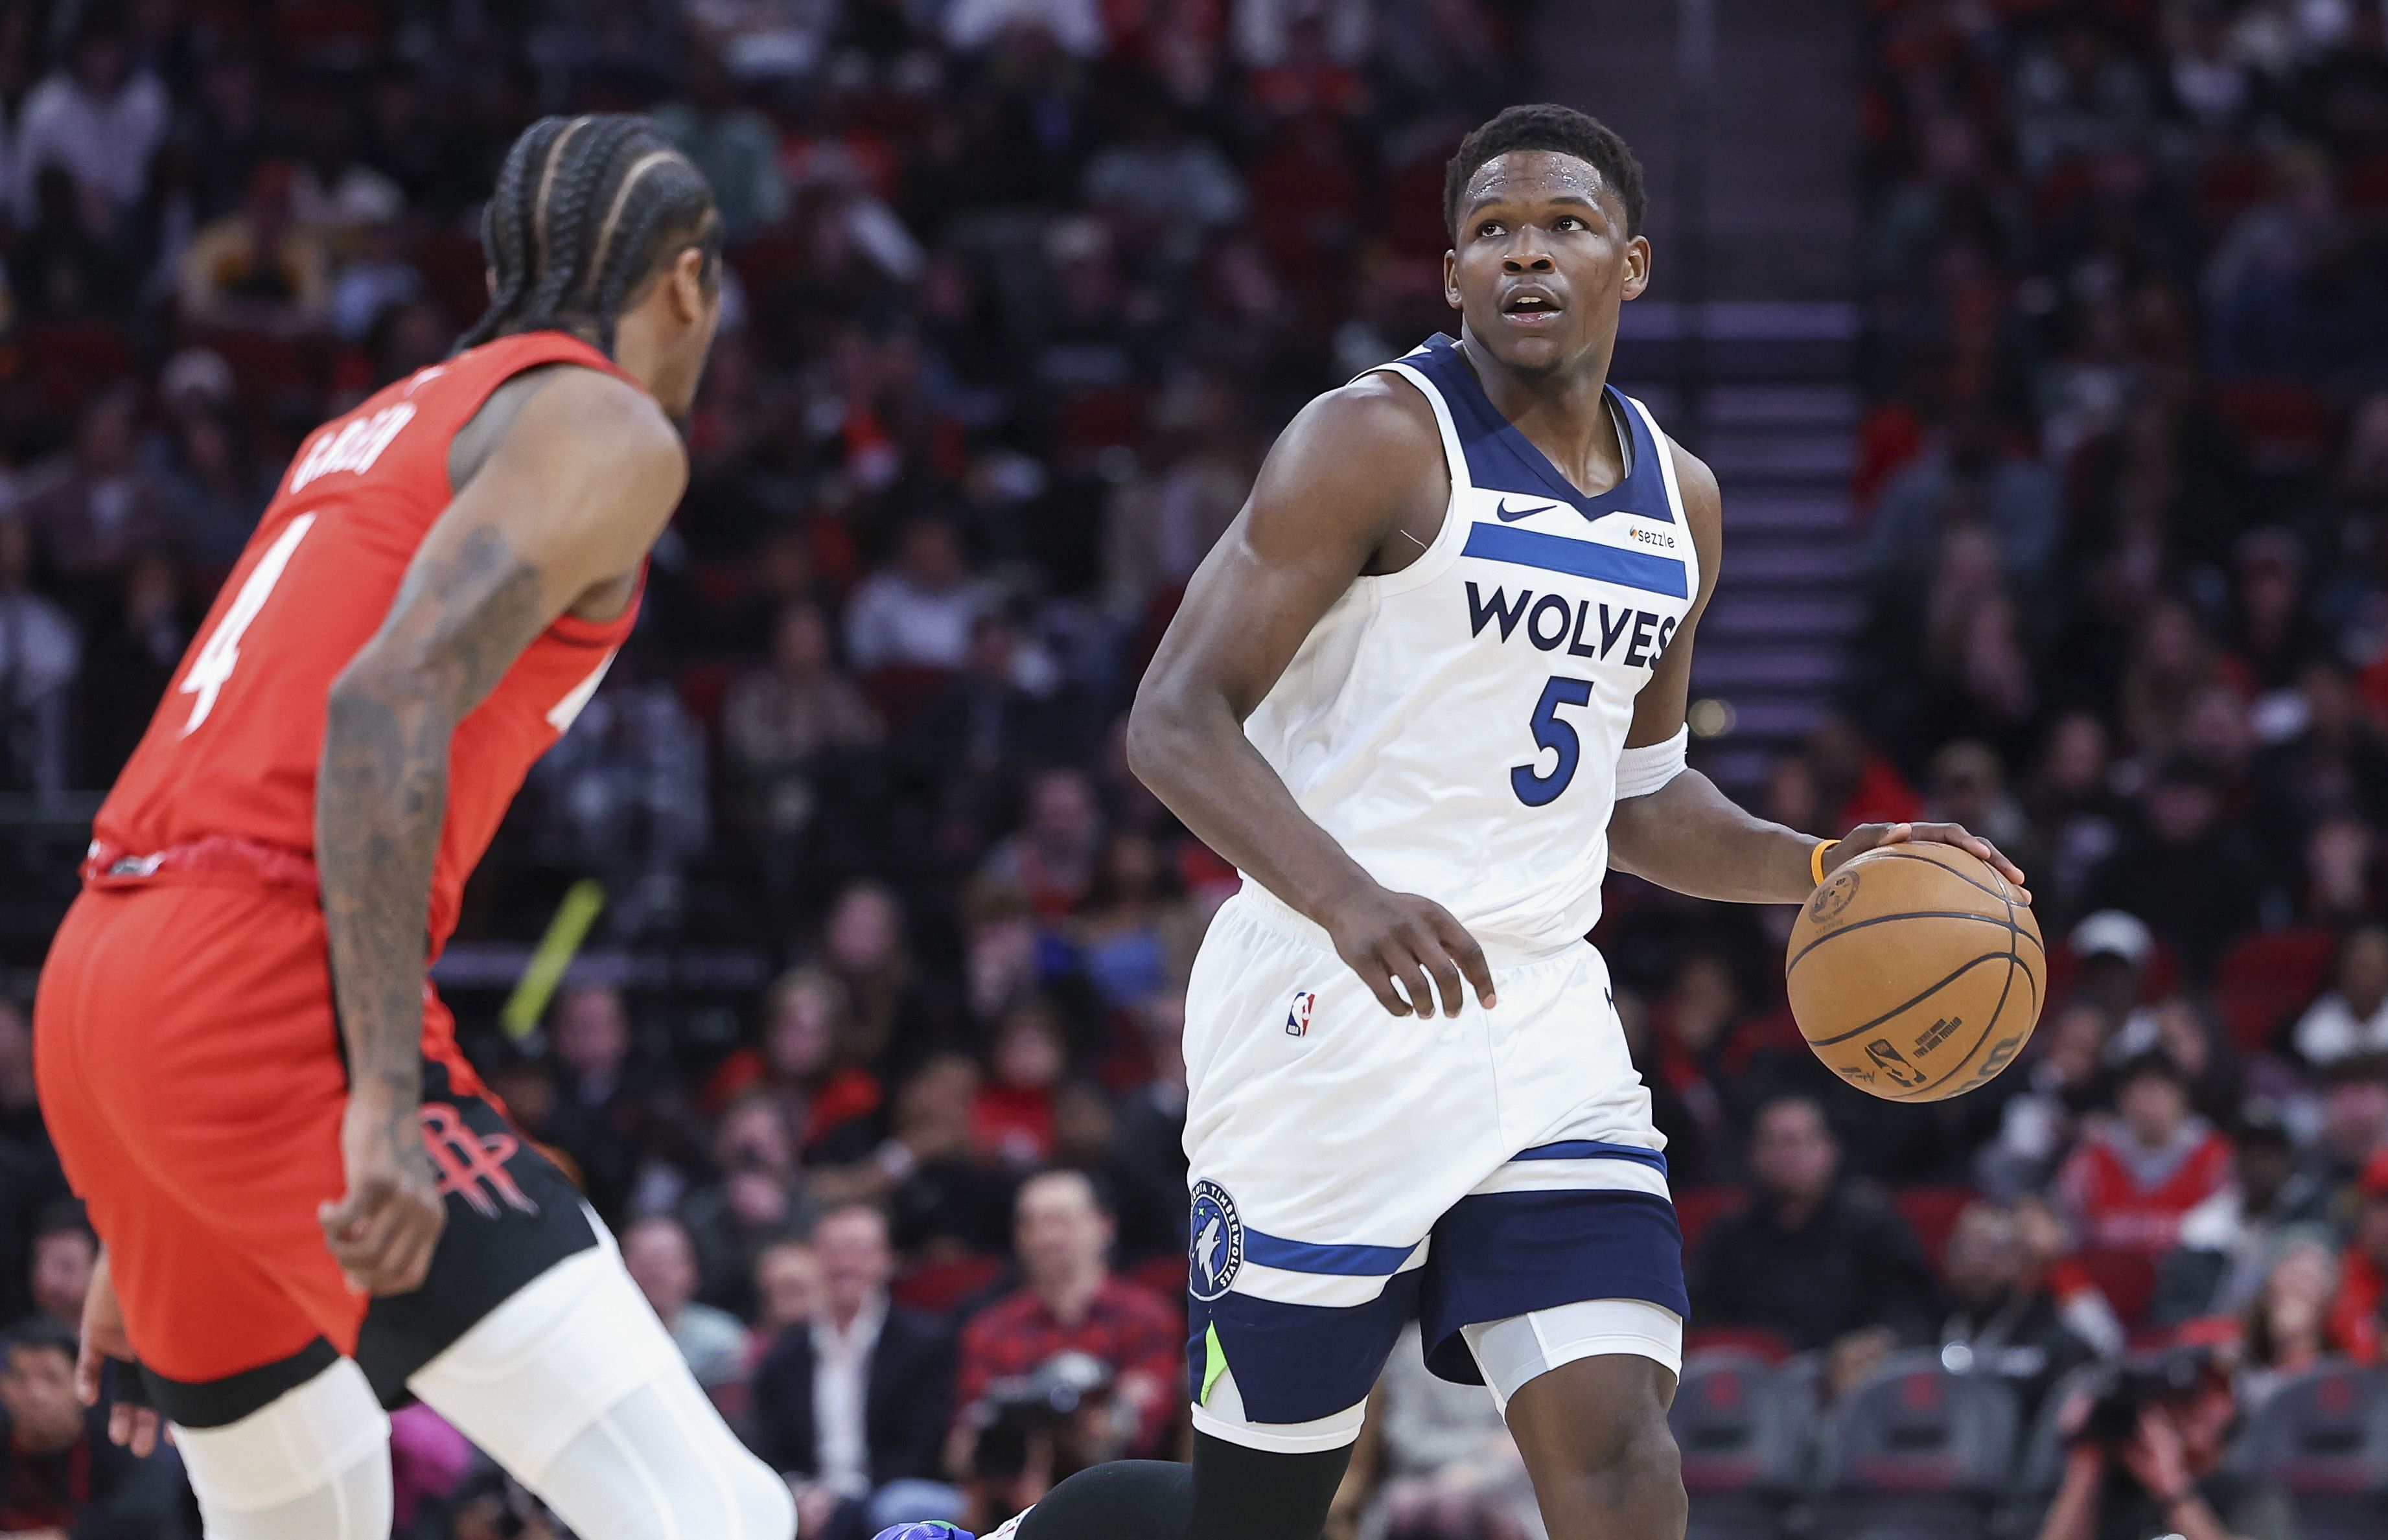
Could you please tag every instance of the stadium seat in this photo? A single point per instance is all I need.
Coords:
(1741, 1442)
(1695, 1208)
(1916, 1453)
(937, 1287)
(1759, 1342)
(2265, 980)
(70, 361)
(2323, 1439)
(1932, 1213)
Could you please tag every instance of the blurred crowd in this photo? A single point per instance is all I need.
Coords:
(873, 1061)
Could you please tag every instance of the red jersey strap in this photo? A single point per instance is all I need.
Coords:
(506, 356)
(107, 865)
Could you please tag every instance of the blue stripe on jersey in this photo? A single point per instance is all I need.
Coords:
(1593, 1149)
(1630, 569)
(1274, 1251)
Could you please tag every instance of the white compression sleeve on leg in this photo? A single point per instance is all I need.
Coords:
(573, 1386)
(312, 1464)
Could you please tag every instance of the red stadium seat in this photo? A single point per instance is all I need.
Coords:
(1933, 1212)
(1695, 1206)
(2284, 422)
(900, 691)
(939, 1286)
(2265, 979)
(1761, 1342)
(70, 361)
(1163, 1275)
(703, 687)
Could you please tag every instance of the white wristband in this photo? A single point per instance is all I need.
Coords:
(1645, 770)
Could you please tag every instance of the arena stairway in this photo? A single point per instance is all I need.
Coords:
(1776, 419)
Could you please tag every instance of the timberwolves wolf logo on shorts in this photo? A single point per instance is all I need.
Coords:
(1218, 1242)
(1297, 1016)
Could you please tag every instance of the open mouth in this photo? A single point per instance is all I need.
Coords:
(1531, 307)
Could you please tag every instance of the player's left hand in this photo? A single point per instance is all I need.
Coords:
(385, 1227)
(1866, 837)
(103, 1337)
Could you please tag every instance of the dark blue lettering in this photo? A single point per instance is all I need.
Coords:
(1638, 652)
(1576, 646)
(1543, 606)
(1665, 635)
(1479, 612)
(1608, 634)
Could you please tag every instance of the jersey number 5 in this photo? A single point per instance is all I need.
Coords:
(1533, 788)
(214, 664)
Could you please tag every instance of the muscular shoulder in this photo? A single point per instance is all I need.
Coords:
(1703, 509)
(1352, 466)
(582, 412)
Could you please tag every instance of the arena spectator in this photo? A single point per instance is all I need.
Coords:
(65, 1251)
(1434, 1461)
(2229, 1241)
(259, 269)
(916, 614)
(1814, 1257)
(2285, 1323)
(60, 1473)
(98, 116)
(788, 1287)
(2353, 1122)
(779, 723)
(755, 1195)
(1050, 861)
(1070, 1302)
(662, 1262)
(1012, 1119)
(2129, 1182)
(597, 1112)
(93, 507)
(805, 1062)
(854, 1405)
(1135, 931)
(2358, 1316)
(941, 1198)
(1996, 1316)
(2192, 877)
(2351, 1017)
(40, 651)
(735, 146)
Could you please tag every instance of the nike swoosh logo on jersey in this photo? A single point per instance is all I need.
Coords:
(1511, 515)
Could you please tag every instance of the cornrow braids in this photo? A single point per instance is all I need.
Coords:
(585, 211)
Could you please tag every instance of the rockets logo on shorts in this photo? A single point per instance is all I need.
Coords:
(1297, 1016)
(1217, 1247)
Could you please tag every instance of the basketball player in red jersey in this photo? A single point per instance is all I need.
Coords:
(311, 1207)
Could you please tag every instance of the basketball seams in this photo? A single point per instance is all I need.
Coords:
(1892, 853)
(2009, 923)
(1980, 1038)
(1906, 1006)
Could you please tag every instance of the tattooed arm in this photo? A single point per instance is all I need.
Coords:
(570, 474)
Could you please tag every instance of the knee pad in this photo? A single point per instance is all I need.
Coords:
(311, 1464)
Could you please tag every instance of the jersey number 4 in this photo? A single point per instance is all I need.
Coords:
(217, 659)
(1533, 788)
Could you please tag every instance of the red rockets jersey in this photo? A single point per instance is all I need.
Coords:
(224, 779)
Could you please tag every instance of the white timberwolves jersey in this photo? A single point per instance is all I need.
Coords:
(1455, 725)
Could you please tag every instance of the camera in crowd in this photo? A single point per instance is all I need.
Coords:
(2127, 1388)
(1067, 1399)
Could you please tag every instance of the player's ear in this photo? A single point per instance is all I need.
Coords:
(1451, 278)
(1638, 266)
(690, 293)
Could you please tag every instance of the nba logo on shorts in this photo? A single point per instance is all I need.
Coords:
(1216, 1243)
(1297, 1016)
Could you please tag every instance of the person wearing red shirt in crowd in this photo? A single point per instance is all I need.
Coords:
(1071, 1302)
(2356, 1326)
(804, 1062)
(1013, 1118)
(2127, 1184)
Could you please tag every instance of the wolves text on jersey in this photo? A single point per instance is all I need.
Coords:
(1551, 619)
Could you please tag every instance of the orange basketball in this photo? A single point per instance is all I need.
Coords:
(1915, 973)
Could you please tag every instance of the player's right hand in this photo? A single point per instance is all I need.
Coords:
(1386, 936)
(385, 1228)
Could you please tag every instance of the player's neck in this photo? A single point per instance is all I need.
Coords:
(1564, 412)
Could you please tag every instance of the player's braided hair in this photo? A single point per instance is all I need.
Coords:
(586, 210)
(1548, 126)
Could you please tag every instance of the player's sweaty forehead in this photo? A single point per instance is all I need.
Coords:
(1525, 178)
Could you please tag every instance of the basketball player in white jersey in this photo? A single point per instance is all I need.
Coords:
(1424, 693)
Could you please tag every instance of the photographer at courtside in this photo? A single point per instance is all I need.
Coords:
(2146, 1457)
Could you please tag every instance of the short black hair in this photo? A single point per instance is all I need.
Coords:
(42, 1331)
(586, 210)
(63, 1217)
(1562, 131)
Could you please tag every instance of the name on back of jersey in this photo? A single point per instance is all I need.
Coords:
(352, 445)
